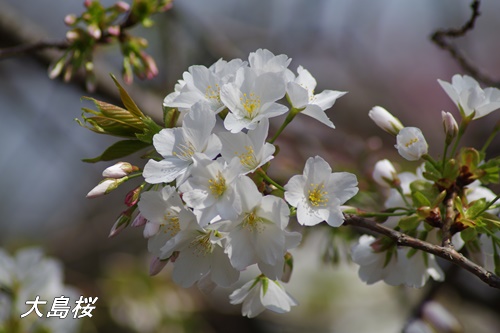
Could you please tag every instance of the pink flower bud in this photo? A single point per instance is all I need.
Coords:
(450, 126)
(121, 222)
(87, 3)
(435, 314)
(156, 266)
(70, 19)
(139, 221)
(150, 64)
(114, 30)
(122, 6)
(94, 31)
(119, 170)
(72, 36)
(132, 197)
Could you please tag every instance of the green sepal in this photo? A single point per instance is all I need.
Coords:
(265, 284)
(118, 150)
(127, 100)
(409, 222)
(151, 128)
(431, 173)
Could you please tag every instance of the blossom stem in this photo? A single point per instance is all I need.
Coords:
(269, 180)
(463, 126)
(288, 120)
(446, 146)
(400, 191)
(370, 214)
(489, 140)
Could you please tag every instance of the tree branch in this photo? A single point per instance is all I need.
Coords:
(447, 253)
(440, 38)
(13, 51)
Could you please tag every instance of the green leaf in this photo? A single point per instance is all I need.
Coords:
(408, 223)
(431, 173)
(451, 170)
(468, 234)
(420, 199)
(127, 100)
(476, 208)
(426, 189)
(491, 171)
(118, 150)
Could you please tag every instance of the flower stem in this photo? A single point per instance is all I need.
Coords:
(489, 140)
(371, 214)
(461, 130)
(288, 120)
(269, 180)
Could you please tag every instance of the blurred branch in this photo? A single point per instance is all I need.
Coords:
(442, 39)
(14, 51)
(446, 253)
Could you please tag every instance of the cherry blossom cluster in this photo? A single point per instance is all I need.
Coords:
(211, 209)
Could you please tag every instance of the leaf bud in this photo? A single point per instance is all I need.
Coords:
(385, 120)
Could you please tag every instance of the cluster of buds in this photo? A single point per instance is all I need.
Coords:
(105, 25)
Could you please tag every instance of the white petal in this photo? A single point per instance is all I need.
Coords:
(297, 94)
(317, 113)
(165, 171)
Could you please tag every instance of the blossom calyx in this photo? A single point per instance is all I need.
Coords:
(385, 120)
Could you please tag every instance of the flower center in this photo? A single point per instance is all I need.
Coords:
(251, 104)
(171, 225)
(252, 222)
(201, 245)
(317, 195)
(186, 151)
(213, 93)
(248, 159)
(217, 185)
(411, 142)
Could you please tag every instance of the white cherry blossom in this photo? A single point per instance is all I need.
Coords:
(251, 147)
(177, 146)
(385, 120)
(300, 93)
(411, 144)
(251, 98)
(260, 294)
(469, 97)
(318, 193)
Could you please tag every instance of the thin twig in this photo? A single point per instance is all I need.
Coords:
(14, 51)
(440, 38)
(446, 253)
(448, 221)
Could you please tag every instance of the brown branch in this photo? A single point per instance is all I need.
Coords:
(13, 51)
(448, 221)
(440, 38)
(447, 253)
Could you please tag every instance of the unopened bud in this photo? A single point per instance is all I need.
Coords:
(385, 120)
(104, 187)
(72, 36)
(450, 126)
(114, 30)
(385, 174)
(150, 64)
(56, 68)
(70, 19)
(94, 31)
(119, 170)
(132, 197)
(121, 222)
(122, 6)
(435, 314)
(156, 266)
(87, 3)
(139, 221)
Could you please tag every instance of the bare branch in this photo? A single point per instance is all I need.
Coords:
(440, 38)
(13, 51)
(447, 253)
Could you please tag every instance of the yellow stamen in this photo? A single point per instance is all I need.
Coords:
(201, 245)
(252, 222)
(217, 185)
(186, 151)
(213, 93)
(317, 196)
(251, 104)
(412, 141)
(248, 159)
(171, 225)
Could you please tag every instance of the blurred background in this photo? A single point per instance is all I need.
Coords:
(378, 51)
